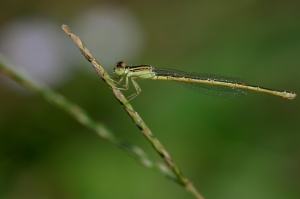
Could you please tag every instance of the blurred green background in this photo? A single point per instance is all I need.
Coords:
(229, 148)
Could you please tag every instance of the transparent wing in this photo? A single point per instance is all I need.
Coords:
(209, 89)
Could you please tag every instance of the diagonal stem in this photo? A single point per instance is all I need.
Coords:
(134, 115)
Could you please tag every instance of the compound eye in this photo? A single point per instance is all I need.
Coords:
(120, 64)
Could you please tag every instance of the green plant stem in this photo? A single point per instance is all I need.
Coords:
(134, 115)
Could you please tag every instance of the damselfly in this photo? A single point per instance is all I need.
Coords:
(216, 85)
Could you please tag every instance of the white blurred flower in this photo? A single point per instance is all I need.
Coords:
(111, 32)
(35, 44)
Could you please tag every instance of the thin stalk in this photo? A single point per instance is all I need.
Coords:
(180, 178)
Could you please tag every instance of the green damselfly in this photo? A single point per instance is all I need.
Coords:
(216, 85)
